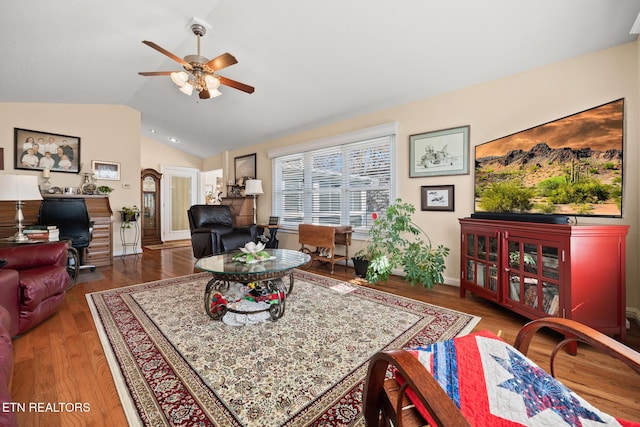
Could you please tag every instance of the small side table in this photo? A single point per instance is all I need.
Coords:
(272, 243)
(130, 239)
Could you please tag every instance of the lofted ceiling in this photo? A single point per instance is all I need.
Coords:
(312, 62)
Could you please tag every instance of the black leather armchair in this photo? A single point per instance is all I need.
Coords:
(212, 230)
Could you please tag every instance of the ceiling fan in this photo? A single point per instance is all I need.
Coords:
(200, 72)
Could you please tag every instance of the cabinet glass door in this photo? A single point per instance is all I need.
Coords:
(550, 280)
(481, 261)
(533, 274)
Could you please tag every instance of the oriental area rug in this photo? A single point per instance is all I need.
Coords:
(174, 365)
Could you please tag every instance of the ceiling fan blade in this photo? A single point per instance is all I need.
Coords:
(222, 61)
(167, 53)
(204, 94)
(236, 85)
(156, 73)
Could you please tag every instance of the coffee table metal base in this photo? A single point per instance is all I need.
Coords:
(216, 304)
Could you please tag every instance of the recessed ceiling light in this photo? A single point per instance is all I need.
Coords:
(152, 130)
(172, 139)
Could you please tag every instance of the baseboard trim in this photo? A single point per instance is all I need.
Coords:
(121, 253)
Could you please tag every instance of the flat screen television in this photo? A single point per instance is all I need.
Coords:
(567, 167)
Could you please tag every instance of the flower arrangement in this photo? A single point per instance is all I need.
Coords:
(395, 240)
(252, 252)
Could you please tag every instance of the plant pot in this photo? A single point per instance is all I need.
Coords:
(129, 216)
(361, 266)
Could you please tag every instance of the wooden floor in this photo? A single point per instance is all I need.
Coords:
(61, 361)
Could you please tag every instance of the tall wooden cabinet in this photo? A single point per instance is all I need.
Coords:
(539, 270)
(241, 210)
(150, 185)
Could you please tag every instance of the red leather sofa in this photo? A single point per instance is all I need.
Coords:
(43, 280)
(32, 286)
(9, 285)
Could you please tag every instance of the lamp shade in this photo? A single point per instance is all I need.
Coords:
(253, 187)
(19, 187)
(179, 78)
(213, 83)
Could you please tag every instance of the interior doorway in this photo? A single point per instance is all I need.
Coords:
(179, 191)
(212, 183)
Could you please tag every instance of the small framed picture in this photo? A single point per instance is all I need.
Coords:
(437, 198)
(106, 170)
(442, 152)
(274, 220)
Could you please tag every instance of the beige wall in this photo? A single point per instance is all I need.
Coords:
(107, 132)
(493, 110)
(155, 154)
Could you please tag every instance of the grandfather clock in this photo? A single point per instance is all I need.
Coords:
(151, 207)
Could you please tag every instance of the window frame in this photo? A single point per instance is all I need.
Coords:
(306, 151)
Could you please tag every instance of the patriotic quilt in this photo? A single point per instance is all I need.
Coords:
(495, 385)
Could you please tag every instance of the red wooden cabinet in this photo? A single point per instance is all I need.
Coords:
(539, 270)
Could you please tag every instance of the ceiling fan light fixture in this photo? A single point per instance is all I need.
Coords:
(212, 82)
(187, 89)
(199, 71)
(180, 78)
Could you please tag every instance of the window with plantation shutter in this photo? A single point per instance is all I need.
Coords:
(339, 184)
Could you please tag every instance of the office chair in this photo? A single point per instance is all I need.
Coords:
(72, 219)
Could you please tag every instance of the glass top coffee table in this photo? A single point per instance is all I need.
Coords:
(263, 279)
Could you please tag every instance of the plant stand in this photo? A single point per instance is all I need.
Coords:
(130, 237)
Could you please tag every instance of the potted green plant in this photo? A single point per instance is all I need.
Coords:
(395, 240)
(105, 189)
(129, 214)
(361, 259)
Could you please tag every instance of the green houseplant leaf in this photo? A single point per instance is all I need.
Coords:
(395, 240)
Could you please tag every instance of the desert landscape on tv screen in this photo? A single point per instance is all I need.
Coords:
(570, 166)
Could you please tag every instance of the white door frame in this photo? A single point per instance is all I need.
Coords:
(167, 173)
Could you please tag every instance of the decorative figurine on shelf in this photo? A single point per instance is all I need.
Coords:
(89, 186)
(46, 185)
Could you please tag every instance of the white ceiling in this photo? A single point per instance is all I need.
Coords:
(312, 62)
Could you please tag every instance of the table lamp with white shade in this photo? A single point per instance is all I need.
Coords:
(19, 188)
(253, 187)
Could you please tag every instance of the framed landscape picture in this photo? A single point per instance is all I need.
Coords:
(37, 150)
